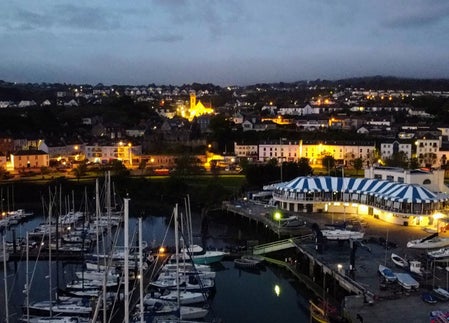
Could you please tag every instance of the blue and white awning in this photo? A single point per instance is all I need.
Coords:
(398, 192)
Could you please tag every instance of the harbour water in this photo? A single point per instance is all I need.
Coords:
(269, 295)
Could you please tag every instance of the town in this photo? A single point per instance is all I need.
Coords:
(329, 125)
(327, 162)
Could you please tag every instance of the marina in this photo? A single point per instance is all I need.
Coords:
(155, 231)
(356, 267)
(348, 269)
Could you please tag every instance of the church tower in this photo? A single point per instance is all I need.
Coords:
(192, 100)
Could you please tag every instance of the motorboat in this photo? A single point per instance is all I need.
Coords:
(162, 307)
(339, 234)
(387, 274)
(399, 261)
(441, 294)
(428, 298)
(60, 307)
(406, 281)
(189, 284)
(431, 242)
(185, 297)
(201, 256)
(292, 222)
(439, 255)
(415, 267)
(246, 263)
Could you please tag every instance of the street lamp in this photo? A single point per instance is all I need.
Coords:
(278, 217)
(130, 154)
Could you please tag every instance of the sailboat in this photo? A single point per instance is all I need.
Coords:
(158, 306)
(195, 252)
(48, 309)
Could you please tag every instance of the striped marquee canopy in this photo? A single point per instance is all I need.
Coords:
(399, 192)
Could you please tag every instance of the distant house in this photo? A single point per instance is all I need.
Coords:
(71, 103)
(23, 159)
(6, 104)
(87, 121)
(363, 130)
(27, 103)
(46, 103)
(237, 118)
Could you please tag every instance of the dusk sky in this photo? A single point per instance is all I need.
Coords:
(222, 42)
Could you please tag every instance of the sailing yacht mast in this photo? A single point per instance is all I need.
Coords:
(126, 267)
(6, 282)
(141, 271)
(50, 211)
(177, 257)
(27, 280)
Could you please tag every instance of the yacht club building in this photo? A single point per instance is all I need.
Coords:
(393, 202)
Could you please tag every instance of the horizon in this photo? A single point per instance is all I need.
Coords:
(221, 42)
(235, 85)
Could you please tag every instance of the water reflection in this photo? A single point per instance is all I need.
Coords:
(241, 295)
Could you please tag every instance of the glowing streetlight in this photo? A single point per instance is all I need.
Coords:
(277, 290)
(278, 217)
(130, 154)
(339, 267)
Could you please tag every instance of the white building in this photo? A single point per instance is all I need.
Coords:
(427, 150)
(432, 179)
(387, 149)
(283, 151)
(247, 151)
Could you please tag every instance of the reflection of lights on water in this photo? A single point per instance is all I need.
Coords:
(277, 290)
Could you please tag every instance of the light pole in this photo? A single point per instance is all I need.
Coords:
(130, 154)
(278, 217)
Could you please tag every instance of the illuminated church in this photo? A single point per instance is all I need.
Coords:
(197, 108)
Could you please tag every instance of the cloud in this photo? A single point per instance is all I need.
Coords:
(418, 15)
(59, 16)
(165, 38)
(82, 17)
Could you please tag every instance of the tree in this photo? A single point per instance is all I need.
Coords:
(414, 163)
(221, 132)
(80, 171)
(304, 168)
(358, 164)
(118, 169)
(398, 159)
(328, 162)
(143, 165)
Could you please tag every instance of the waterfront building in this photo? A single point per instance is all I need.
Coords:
(389, 148)
(125, 152)
(26, 159)
(393, 202)
(285, 150)
(432, 179)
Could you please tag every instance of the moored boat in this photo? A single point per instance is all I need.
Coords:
(201, 256)
(338, 234)
(439, 255)
(185, 297)
(428, 298)
(406, 281)
(246, 263)
(431, 242)
(441, 293)
(387, 274)
(399, 261)
(54, 319)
